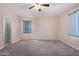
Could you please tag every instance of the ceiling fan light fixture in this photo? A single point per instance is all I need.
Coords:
(37, 6)
(39, 10)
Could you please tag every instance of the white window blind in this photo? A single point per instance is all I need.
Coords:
(27, 27)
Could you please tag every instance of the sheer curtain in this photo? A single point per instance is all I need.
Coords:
(74, 23)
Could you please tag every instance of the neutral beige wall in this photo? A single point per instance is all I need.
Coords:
(4, 11)
(16, 29)
(43, 28)
(64, 27)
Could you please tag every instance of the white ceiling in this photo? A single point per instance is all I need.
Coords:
(55, 9)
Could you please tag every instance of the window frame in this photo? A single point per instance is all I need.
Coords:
(23, 26)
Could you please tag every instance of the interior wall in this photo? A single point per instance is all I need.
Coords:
(64, 29)
(4, 11)
(42, 28)
(16, 29)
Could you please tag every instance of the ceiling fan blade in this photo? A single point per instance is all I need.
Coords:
(31, 7)
(46, 5)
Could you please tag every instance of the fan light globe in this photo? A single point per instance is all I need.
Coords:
(37, 6)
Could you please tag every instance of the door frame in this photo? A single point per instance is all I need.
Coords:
(4, 18)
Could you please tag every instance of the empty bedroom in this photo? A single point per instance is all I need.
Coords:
(39, 29)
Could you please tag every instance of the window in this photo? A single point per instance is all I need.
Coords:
(74, 23)
(27, 27)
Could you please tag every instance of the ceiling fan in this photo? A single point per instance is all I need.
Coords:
(38, 6)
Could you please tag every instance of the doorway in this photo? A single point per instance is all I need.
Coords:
(7, 30)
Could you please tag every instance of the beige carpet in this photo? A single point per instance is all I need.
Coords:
(39, 48)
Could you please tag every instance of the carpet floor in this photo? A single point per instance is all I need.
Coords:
(38, 48)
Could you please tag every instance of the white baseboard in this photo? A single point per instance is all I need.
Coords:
(15, 41)
(39, 39)
(2, 47)
(70, 45)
